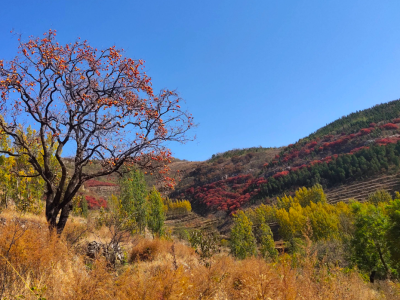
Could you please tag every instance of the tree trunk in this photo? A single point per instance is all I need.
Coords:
(56, 212)
(372, 277)
(63, 217)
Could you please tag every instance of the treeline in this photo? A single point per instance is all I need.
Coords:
(238, 152)
(361, 119)
(361, 164)
(354, 235)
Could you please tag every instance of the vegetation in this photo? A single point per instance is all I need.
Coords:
(178, 207)
(96, 102)
(34, 265)
(133, 197)
(243, 242)
(367, 232)
(360, 119)
(156, 215)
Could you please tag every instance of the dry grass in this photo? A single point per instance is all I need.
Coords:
(31, 257)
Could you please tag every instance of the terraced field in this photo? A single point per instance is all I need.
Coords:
(361, 190)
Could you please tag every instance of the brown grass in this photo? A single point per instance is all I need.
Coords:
(33, 258)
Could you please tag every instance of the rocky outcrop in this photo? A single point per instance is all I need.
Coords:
(112, 252)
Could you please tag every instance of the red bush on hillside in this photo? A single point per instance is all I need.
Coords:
(281, 174)
(229, 194)
(95, 204)
(389, 126)
(311, 144)
(358, 149)
(94, 183)
(397, 120)
(385, 141)
(365, 131)
(372, 125)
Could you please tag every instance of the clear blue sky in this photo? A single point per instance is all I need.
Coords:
(252, 72)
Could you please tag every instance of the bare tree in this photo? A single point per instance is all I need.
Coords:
(96, 103)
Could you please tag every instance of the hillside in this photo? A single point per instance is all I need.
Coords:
(361, 146)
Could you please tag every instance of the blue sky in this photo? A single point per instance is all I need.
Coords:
(253, 73)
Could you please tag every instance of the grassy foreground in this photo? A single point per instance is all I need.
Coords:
(36, 265)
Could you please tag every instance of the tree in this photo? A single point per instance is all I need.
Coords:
(97, 103)
(267, 244)
(156, 216)
(393, 209)
(379, 196)
(243, 242)
(133, 197)
(370, 244)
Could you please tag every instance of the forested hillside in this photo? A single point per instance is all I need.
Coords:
(359, 146)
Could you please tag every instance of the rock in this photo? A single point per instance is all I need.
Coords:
(112, 252)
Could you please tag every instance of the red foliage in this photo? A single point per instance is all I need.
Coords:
(190, 190)
(397, 120)
(365, 131)
(315, 162)
(95, 204)
(389, 126)
(93, 183)
(372, 125)
(281, 174)
(358, 149)
(386, 141)
(265, 165)
(311, 144)
(229, 194)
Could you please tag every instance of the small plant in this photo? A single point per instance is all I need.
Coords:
(205, 244)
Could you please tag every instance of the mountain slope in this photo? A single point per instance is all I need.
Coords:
(359, 146)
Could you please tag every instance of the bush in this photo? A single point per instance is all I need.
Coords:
(179, 207)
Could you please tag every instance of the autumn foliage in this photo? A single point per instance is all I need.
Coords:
(97, 99)
(94, 203)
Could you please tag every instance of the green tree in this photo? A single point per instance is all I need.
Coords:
(205, 244)
(243, 242)
(156, 214)
(85, 208)
(379, 196)
(119, 222)
(314, 194)
(324, 220)
(133, 197)
(267, 244)
(393, 210)
(370, 249)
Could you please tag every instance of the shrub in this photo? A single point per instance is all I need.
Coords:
(145, 250)
(389, 126)
(180, 207)
(93, 203)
